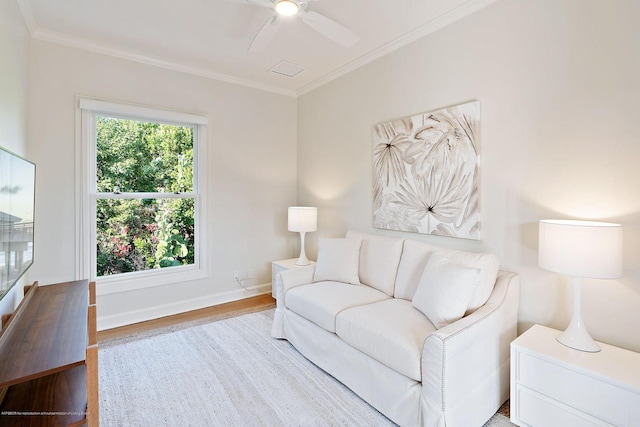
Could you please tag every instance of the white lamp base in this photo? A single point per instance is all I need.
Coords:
(303, 256)
(576, 335)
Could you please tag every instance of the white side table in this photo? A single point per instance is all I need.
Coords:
(554, 385)
(285, 264)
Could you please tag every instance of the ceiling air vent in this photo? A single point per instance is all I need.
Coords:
(287, 69)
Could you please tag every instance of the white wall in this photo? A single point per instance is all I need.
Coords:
(14, 90)
(559, 86)
(252, 173)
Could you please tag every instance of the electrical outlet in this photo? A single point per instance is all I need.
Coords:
(236, 275)
(251, 273)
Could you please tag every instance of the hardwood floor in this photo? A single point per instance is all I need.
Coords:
(261, 301)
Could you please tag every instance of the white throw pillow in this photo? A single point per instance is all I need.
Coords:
(338, 260)
(444, 290)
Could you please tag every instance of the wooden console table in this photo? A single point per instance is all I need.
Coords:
(49, 358)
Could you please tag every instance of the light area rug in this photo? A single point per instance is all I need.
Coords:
(224, 373)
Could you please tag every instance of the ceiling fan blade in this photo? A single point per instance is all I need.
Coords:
(329, 28)
(264, 36)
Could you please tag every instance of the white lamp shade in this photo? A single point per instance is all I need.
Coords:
(581, 248)
(303, 219)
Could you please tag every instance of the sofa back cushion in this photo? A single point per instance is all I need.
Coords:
(414, 259)
(379, 260)
(488, 264)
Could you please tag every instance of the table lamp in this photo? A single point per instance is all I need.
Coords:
(303, 220)
(580, 249)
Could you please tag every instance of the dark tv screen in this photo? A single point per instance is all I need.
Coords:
(17, 203)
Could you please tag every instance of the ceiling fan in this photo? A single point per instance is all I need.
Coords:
(284, 8)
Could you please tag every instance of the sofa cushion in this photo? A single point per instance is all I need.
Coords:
(444, 290)
(379, 260)
(321, 302)
(414, 259)
(338, 260)
(390, 331)
(488, 264)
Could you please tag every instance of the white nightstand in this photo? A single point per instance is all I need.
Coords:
(285, 264)
(554, 385)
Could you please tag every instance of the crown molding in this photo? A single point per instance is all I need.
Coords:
(58, 38)
(430, 27)
(78, 43)
(435, 24)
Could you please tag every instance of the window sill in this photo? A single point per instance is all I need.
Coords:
(148, 279)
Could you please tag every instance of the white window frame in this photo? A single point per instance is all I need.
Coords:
(86, 195)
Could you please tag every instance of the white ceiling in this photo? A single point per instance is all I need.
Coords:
(210, 37)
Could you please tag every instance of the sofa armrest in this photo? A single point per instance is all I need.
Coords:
(471, 356)
(286, 280)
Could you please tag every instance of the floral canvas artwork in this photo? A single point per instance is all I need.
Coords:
(426, 173)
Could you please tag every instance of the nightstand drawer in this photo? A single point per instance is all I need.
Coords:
(599, 399)
(536, 410)
(555, 385)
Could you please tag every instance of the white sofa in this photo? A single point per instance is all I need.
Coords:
(372, 338)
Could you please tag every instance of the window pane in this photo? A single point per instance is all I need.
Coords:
(143, 234)
(135, 156)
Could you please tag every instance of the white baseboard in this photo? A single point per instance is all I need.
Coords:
(135, 316)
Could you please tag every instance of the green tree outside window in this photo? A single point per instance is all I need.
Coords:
(133, 233)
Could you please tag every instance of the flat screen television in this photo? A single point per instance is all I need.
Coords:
(17, 204)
